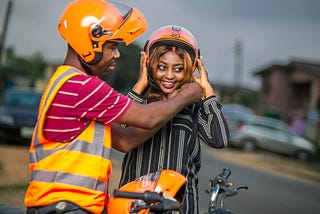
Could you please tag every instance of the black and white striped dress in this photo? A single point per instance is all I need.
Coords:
(173, 146)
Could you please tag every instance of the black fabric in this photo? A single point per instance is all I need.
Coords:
(58, 207)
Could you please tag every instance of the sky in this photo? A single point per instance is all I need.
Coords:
(273, 31)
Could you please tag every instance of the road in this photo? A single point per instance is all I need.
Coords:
(267, 193)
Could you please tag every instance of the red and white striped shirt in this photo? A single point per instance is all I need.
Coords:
(80, 100)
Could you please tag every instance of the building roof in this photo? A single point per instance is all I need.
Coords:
(296, 64)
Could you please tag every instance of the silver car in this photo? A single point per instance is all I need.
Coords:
(254, 132)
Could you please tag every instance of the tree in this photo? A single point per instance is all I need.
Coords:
(31, 68)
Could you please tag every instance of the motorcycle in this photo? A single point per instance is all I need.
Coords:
(152, 193)
(220, 188)
(165, 191)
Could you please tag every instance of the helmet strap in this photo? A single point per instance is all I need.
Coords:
(153, 86)
(97, 55)
(86, 66)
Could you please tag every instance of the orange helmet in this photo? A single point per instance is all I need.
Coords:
(173, 35)
(87, 24)
(170, 183)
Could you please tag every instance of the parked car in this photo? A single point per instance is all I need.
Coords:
(237, 108)
(18, 114)
(254, 132)
(235, 112)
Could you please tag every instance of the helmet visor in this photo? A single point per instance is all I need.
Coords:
(129, 25)
(133, 24)
(147, 182)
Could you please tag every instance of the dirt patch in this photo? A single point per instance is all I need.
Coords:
(13, 165)
(14, 175)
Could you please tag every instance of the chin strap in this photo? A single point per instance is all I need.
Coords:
(152, 84)
(86, 66)
(153, 92)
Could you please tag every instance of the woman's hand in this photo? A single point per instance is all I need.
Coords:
(203, 80)
(142, 82)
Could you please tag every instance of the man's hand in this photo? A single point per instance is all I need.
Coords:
(191, 91)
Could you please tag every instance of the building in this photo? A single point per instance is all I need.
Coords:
(291, 89)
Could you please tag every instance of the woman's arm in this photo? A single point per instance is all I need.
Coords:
(213, 128)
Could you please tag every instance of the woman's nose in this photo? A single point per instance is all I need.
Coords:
(169, 74)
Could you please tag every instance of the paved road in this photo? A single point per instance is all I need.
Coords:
(267, 193)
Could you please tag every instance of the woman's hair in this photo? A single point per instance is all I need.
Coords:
(155, 94)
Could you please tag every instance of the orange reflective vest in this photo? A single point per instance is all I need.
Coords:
(76, 171)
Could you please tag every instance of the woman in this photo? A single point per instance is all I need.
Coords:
(171, 56)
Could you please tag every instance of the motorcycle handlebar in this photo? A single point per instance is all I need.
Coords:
(165, 203)
(225, 173)
(222, 178)
(242, 187)
(147, 196)
(168, 204)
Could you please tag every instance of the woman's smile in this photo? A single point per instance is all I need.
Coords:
(168, 85)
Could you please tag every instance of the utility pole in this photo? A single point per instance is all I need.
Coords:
(238, 69)
(3, 36)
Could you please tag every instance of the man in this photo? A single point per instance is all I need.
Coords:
(70, 149)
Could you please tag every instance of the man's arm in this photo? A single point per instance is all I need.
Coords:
(156, 114)
(145, 120)
(126, 139)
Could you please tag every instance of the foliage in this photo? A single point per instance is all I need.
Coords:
(32, 67)
(127, 68)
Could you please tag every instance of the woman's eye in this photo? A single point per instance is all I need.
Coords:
(179, 69)
(161, 67)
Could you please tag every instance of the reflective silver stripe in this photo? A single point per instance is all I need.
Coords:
(95, 148)
(35, 141)
(80, 146)
(98, 133)
(67, 178)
